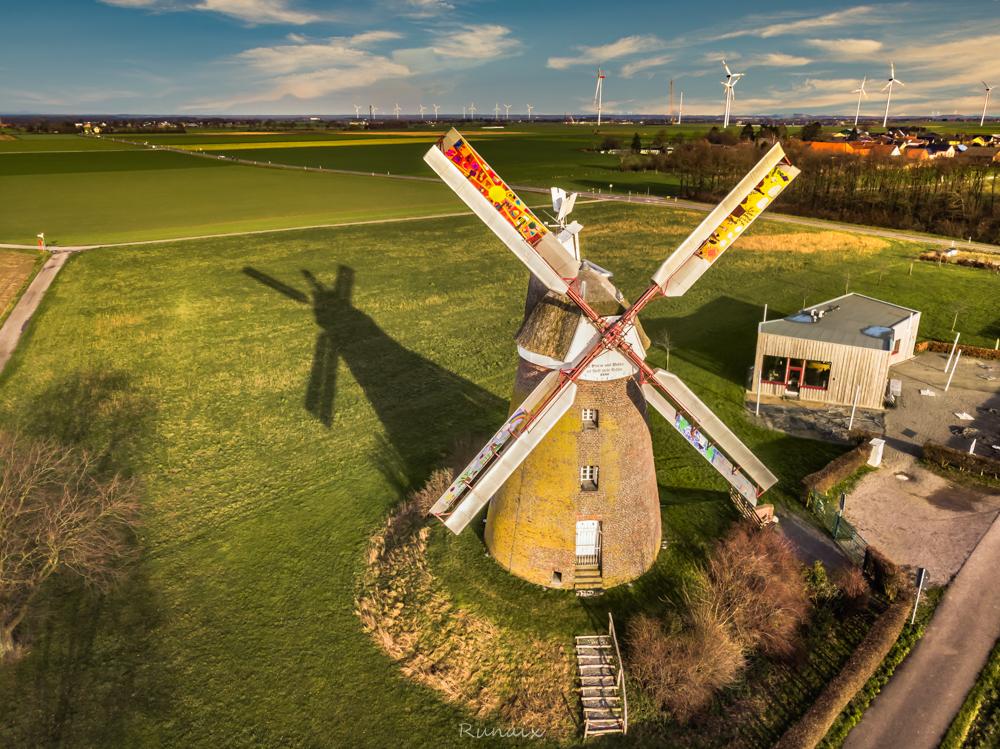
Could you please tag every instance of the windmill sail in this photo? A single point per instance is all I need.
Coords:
(709, 436)
(725, 224)
(506, 451)
(472, 179)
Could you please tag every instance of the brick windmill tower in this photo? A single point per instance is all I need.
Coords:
(570, 474)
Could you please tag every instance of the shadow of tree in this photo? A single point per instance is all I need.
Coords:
(99, 410)
(418, 402)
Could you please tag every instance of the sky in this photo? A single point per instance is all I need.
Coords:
(306, 57)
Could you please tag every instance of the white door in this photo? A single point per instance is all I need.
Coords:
(588, 541)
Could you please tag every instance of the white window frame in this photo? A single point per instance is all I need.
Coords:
(588, 478)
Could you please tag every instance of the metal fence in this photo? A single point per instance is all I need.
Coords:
(845, 534)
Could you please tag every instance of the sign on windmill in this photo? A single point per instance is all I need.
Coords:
(576, 450)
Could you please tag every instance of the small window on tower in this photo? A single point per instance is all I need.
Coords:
(590, 418)
(588, 478)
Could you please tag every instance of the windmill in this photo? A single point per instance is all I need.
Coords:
(570, 474)
(507, 116)
(436, 108)
(422, 108)
(859, 92)
(730, 83)
(396, 110)
(597, 94)
(892, 79)
(986, 103)
(529, 112)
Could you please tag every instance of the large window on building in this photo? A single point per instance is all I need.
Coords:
(817, 375)
(774, 368)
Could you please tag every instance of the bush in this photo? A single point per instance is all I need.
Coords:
(883, 571)
(854, 591)
(947, 456)
(945, 348)
(852, 678)
(860, 436)
(838, 470)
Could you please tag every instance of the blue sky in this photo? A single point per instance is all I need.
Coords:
(309, 57)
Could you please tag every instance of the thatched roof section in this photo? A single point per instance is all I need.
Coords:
(551, 325)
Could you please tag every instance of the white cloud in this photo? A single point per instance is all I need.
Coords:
(847, 49)
(628, 45)
(830, 20)
(778, 60)
(632, 68)
(483, 42)
(250, 11)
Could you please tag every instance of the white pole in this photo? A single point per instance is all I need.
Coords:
(953, 371)
(953, 347)
(765, 312)
(972, 450)
(857, 392)
(759, 381)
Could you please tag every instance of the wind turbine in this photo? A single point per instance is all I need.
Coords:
(529, 112)
(357, 111)
(463, 113)
(859, 92)
(892, 79)
(436, 108)
(396, 110)
(508, 111)
(988, 89)
(597, 93)
(680, 109)
(422, 108)
(472, 110)
(730, 82)
(496, 112)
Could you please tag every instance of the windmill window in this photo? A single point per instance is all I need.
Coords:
(589, 418)
(588, 478)
(556, 577)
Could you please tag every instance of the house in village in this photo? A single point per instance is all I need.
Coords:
(832, 351)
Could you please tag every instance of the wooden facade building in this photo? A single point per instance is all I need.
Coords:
(827, 351)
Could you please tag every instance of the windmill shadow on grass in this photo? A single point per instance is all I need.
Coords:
(420, 403)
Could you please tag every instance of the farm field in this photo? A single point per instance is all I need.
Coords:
(17, 268)
(82, 198)
(279, 394)
(33, 143)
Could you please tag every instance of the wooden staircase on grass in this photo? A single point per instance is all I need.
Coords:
(602, 683)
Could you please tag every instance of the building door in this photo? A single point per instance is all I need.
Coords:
(588, 542)
(793, 381)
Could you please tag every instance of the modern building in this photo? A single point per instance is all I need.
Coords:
(834, 351)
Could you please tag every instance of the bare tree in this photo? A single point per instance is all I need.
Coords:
(56, 516)
(805, 290)
(663, 341)
(847, 281)
(958, 308)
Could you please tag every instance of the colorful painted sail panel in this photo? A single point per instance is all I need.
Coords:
(744, 214)
(494, 447)
(507, 204)
(720, 462)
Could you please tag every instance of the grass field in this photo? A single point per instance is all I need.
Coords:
(279, 394)
(29, 143)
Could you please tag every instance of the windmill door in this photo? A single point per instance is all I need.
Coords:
(588, 542)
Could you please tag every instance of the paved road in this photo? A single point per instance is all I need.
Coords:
(916, 708)
(19, 319)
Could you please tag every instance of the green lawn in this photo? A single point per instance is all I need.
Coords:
(86, 198)
(36, 143)
(279, 394)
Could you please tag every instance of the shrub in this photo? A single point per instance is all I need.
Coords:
(883, 571)
(947, 456)
(854, 590)
(838, 470)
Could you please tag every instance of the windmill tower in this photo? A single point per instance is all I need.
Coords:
(570, 474)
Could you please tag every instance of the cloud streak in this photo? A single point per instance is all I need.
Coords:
(249, 11)
(625, 46)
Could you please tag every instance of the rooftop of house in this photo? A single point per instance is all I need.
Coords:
(851, 320)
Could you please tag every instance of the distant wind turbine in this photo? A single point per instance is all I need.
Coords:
(892, 79)
(463, 113)
(529, 112)
(730, 82)
(396, 110)
(859, 92)
(357, 111)
(436, 108)
(988, 89)
(472, 110)
(422, 108)
(597, 93)
(680, 109)
(496, 112)
(508, 111)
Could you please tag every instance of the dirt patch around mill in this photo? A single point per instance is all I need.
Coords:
(14, 268)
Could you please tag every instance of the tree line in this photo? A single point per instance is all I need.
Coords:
(949, 196)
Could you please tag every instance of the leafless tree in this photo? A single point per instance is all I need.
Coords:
(958, 308)
(57, 515)
(663, 341)
(805, 290)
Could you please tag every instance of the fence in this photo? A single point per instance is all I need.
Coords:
(845, 534)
